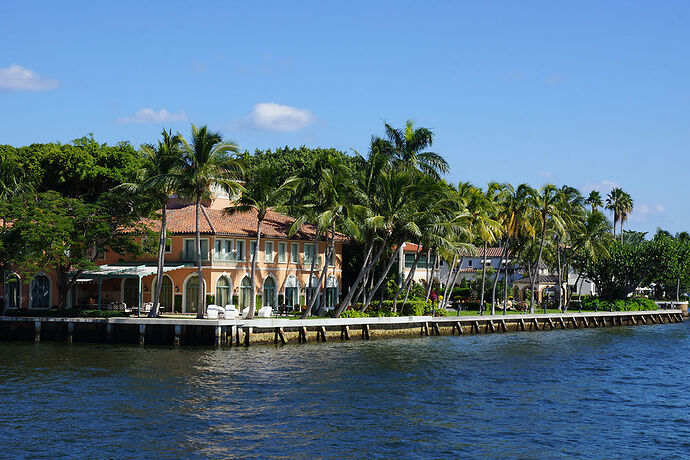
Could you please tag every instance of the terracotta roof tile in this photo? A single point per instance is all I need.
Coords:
(215, 222)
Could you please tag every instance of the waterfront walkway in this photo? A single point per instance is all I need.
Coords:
(243, 332)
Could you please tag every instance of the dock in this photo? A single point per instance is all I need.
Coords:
(243, 332)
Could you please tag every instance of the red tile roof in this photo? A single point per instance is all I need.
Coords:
(215, 222)
(490, 252)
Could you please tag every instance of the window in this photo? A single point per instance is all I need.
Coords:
(469, 263)
(294, 253)
(268, 252)
(224, 250)
(190, 252)
(13, 291)
(409, 260)
(308, 254)
(331, 260)
(239, 251)
(168, 245)
(282, 253)
(245, 292)
(40, 292)
(252, 250)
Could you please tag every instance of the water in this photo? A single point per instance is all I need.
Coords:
(612, 393)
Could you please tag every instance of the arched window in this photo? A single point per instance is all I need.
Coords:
(245, 292)
(223, 291)
(192, 294)
(314, 290)
(269, 297)
(131, 293)
(166, 300)
(13, 291)
(291, 291)
(40, 292)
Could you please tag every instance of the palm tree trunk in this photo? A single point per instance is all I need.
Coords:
(678, 290)
(365, 268)
(455, 280)
(505, 277)
(380, 281)
(310, 304)
(536, 275)
(161, 263)
(560, 274)
(498, 273)
(324, 270)
(255, 256)
(407, 280)
(430, 280)
(201, 290)
(450, 274)
(481, 295)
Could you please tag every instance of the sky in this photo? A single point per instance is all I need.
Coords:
(590, 94)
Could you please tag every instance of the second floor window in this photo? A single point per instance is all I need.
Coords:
(268, 252)
(223, 250)
(308, 253)
(190, 249)
(240, 256)
(294, 253)
(252, 250)
(282, 253)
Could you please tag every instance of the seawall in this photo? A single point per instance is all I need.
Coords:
(241, 332)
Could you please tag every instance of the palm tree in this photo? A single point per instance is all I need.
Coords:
(408, 145)
(626, 208)
(545, 203)
(262, 194)
(614, 204)
(207, 161)
(159, 178)
(590, 239)
(594, 200)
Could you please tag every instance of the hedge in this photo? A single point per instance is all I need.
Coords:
(630, 304)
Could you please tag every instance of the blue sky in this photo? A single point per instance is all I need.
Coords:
(592, 94)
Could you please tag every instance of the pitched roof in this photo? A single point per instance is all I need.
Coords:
(541, 279)
(490, 252)
(214, 222)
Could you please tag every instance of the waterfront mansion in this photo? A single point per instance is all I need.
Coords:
(227, 244)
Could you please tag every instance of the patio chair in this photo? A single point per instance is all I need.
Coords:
(265, 312)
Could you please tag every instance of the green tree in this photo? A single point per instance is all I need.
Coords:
(207, 161)
(407, 147)
(594, 200)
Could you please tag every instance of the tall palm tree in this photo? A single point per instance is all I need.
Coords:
(262, 194)
(408, 145)
(545, 203)
(158, 179)
(626, 208)
(594, 200)
(207, 161)
(614, 203)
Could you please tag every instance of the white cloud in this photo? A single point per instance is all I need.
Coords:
(17, 78)
(643, 211)
(545, 174)
(269, 116)
(604, 186)
(147, 115)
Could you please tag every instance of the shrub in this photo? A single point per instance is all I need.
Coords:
(352, 313)
(414, 308)
(630, 304)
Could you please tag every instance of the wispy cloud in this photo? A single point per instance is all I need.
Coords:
(643, 212)
(548, 175)
(270, 116)
(17, 78)
(604, 186)
(147, 115)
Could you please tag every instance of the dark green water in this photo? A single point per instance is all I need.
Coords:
(600, 393)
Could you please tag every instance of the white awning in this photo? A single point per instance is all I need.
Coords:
(126, 271)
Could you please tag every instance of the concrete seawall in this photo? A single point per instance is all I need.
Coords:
(241, 332)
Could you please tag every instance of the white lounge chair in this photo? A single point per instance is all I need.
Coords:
(265, 312)
(231, 312)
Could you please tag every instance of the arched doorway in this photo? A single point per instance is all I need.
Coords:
(223, 291)
(40, 292)
(269, 292)
(245, 292)
(314, 290)
(166, 300)
(192, 294)
(13, 291)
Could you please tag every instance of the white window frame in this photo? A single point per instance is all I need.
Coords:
(184, 248)
(252, 250)
(168, 248)
(227, 247)
(309, 253)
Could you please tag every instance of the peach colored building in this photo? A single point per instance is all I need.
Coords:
(282, 275)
